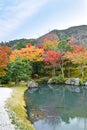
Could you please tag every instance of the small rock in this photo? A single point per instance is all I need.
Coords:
(1, 85)
(50, 81)
(46, 74)
(36, 75)
(22, 81)
(85, 83)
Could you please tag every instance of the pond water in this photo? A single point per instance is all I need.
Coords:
(57, 107)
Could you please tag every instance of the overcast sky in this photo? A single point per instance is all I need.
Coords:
(33, 18)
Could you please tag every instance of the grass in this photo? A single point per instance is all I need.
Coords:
(16, 106)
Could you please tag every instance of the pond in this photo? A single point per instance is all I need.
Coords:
(57, 107)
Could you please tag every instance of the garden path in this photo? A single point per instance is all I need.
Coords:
(5, 121)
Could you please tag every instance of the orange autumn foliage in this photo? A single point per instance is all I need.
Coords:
(4, 53)
(6, 49)
(78, 55)
(30, 52)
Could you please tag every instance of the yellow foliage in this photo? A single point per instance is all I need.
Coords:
(32, 53)
(2, 72)
(50, 45)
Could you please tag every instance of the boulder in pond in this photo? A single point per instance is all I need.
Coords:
(73, 81)
(32, 84)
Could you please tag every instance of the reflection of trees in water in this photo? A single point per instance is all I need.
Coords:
(82, 123)
(56, 103)
(53, 122)
(85, 124)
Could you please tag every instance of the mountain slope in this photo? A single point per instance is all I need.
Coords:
(77, 33)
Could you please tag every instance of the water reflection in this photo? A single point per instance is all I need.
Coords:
(74, 124)
(57, 107)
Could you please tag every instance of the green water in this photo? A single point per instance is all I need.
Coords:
(57, 107)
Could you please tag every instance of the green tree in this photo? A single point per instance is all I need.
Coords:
(20, 44)
(19, 70)
(37, 67)
(63, 47)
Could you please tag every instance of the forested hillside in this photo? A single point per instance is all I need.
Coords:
(77, 33)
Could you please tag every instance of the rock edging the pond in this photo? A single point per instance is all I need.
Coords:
(73, 81)
(50, 81)
(32, 84)
(70, 81)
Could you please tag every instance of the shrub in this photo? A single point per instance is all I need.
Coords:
(5, 79)
(58, 79)
(43, 80)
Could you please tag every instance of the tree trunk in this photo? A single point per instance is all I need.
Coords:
(68, 70)
(16, 81)
(62, 71)
(53, 71)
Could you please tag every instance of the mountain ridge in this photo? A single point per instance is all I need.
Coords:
(77, 33)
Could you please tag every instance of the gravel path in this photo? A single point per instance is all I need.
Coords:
(5, 122)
